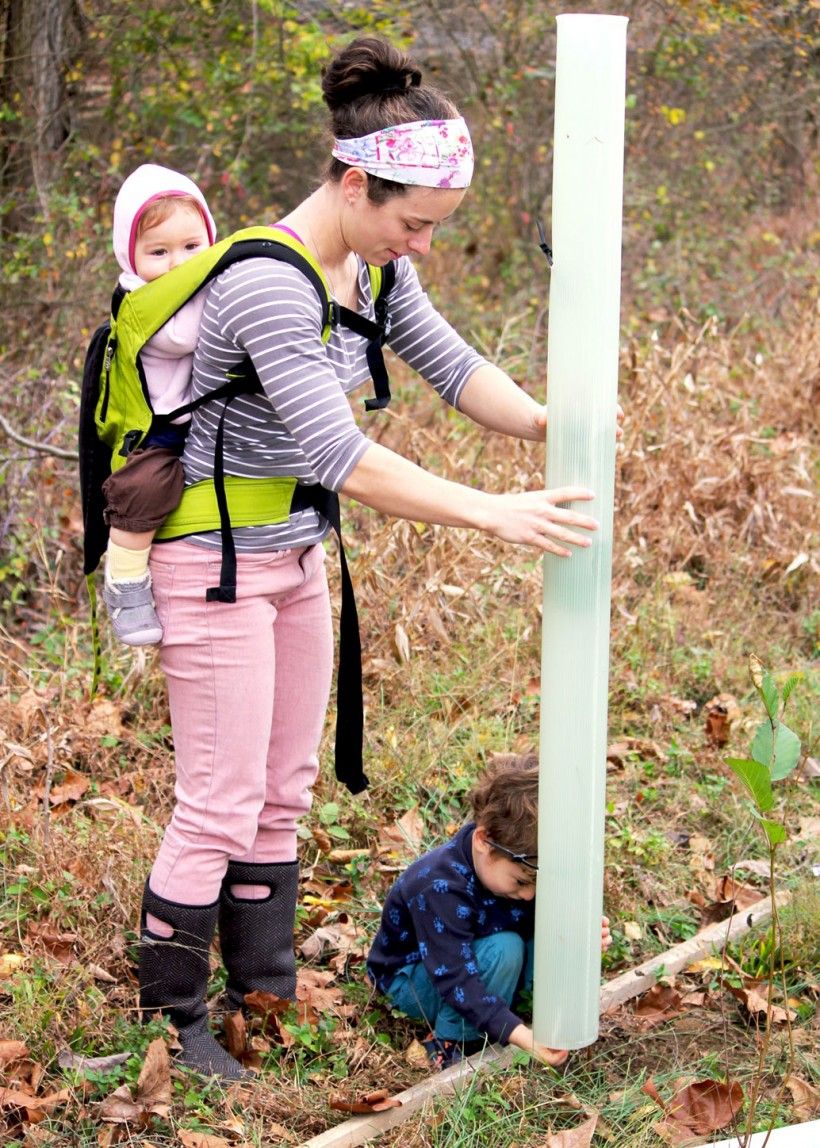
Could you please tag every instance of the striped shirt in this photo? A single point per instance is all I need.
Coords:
(302, 425)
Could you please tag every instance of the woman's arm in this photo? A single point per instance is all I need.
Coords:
(389, 483)
(491, 399)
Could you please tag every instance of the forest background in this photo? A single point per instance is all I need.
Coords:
(715, 524)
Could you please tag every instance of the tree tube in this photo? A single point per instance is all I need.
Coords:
(582, 397)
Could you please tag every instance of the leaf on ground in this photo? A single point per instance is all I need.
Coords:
(754, 999)
(377, 1101)
(806, 1097)
(11, 1050)
(154, 1081)
(236, 1033)
(658, 1004)
(741, 896)
(270, 1008)
(192, 1139)
(416, 1055)
(58, 945)
(119, 1107)
(755, 865)
(342, 937)
(71, 788)
(103, 717)
(316, 995)
(153, 1092)
(579, 1137)
(719, 713)
(405, 835)
(10, 963)
(696, 1109)
(73, 1060)
(35, 1107)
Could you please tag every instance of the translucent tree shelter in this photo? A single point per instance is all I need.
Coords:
(582, 373)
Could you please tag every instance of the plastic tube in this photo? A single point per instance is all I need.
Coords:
(582, 372)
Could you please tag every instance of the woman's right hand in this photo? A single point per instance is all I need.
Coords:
(394, 485)
(536, 518)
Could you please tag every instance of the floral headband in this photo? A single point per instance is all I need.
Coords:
(426, 153)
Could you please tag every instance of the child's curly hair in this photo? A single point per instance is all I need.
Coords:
(505, 802)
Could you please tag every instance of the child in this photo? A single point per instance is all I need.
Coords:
(455, 945)
(161, 219)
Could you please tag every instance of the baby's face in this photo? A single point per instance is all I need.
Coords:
(162, 247)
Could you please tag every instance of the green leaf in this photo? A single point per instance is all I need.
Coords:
(339, 832)
(790, 683)
(770, 695)
(781, 753)
(755, 776)
(329, 813)
(774, 831)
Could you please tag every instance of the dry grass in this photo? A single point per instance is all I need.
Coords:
(714, 531)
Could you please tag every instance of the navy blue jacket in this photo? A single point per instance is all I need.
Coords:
(433, 913)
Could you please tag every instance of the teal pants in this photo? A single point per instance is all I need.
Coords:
(505, 966)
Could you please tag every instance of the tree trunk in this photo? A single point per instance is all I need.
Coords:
(40, 40)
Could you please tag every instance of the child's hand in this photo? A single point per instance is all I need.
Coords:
(522, 1038)
(606, 936)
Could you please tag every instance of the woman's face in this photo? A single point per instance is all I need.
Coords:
(404, 225)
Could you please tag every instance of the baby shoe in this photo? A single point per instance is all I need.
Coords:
(131, 607)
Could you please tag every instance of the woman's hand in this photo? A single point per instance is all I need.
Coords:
(534, 518)
(540, 423)
(522, 1037)
(606, 936)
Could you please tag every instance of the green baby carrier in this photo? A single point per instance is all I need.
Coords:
(116, 417)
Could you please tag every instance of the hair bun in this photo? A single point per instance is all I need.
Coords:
(368, 66)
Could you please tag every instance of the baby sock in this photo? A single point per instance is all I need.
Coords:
(124, 565)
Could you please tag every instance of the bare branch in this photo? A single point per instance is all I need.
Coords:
(42, 447)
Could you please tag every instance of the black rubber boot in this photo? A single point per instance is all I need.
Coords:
(256, 937)
(173, 976)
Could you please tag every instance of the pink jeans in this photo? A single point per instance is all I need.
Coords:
(248, 685)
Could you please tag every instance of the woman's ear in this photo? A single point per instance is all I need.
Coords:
(354, 184)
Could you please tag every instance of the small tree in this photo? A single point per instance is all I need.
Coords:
(774, 755)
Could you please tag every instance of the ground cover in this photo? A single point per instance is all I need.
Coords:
(713, 543)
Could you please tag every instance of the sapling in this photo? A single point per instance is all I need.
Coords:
(773, 756)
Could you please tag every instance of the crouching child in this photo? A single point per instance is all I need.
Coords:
(455, 946)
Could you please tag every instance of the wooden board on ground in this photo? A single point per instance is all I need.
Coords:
(361, 1129)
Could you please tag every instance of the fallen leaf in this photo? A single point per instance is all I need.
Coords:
(71, 788)
(580, 1137)
(806, 1098)
(11, 1050)
(36, 1107)
(754, 1000)
(236, 1033)
(405, 835)
(659, 1004)
(10, 963)
(706, 1105)
(58, 945)
(103, 717)
(73, 1060)
(322, 839)
(376, 1101)
(201, 1139)
(719, 713)
(416, 1055)
(755, 865)
(119, 1107)
(632, 930)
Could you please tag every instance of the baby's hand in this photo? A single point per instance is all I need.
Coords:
(606, 936)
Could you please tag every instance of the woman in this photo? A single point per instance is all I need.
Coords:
(249, 682)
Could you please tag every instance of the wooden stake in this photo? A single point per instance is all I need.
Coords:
(361, 1129)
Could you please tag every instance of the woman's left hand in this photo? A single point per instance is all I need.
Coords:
(540, 422)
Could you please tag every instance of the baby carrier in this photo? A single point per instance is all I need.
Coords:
(116, 416)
